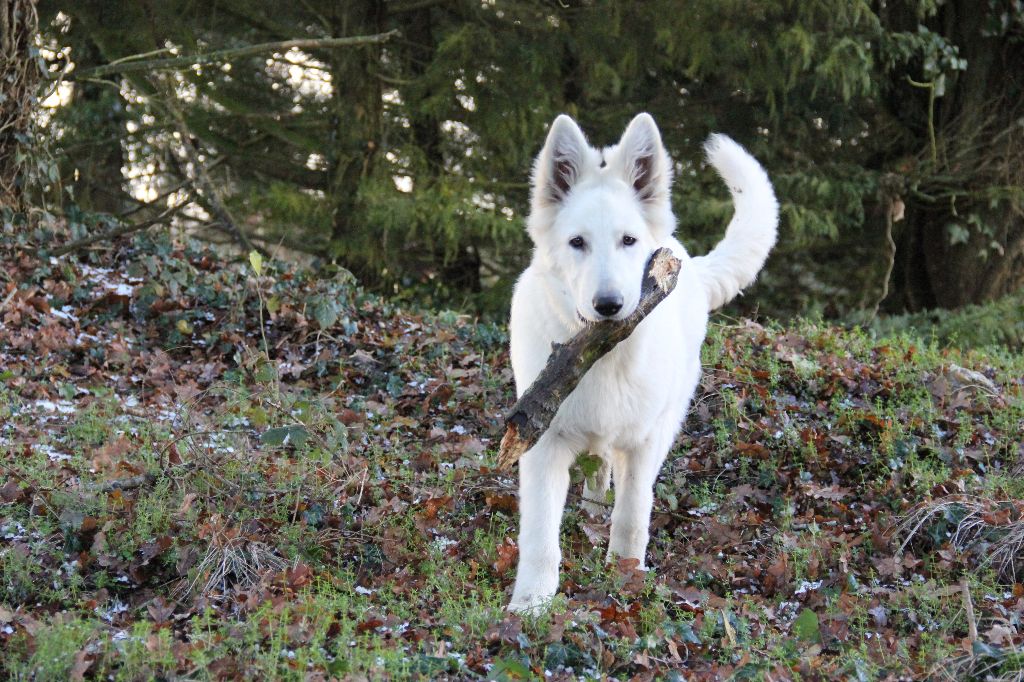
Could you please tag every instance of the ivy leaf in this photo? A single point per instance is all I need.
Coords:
(957, 234)
(510, 669)
(590, 465)
(256, 261)
(265, 371)
(395, 385)
(806, 626)
(982, 650)
(325, 310)
(295, 434)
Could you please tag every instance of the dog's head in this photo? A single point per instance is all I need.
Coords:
(598, 214)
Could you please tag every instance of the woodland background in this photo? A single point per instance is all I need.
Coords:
(891, 130)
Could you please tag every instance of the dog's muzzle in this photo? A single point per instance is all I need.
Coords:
(607, 305)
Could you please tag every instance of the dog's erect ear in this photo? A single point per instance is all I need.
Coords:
(560, 162)
(645, 163)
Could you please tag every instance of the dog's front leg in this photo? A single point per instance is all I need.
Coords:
(635, 473)
(543, 484)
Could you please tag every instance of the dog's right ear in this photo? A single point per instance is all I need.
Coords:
(560, 163)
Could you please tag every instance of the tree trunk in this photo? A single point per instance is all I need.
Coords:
(18, 26)
(98, 155)
(357, 112)
(964, 247)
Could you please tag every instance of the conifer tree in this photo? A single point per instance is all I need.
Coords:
(891, 130)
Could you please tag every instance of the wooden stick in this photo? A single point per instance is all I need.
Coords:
(530, 417)
(972, 623)
(126, 483)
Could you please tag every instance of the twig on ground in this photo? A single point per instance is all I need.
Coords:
(129, 483)
(972, 622)
(8, 298)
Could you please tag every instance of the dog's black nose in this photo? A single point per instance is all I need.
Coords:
(608, 304)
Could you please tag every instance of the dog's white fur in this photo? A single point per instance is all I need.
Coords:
(628, 408)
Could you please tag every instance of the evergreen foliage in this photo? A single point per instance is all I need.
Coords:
(993, 324)
(406, 160)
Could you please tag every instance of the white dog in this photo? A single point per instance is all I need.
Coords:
(596, 217)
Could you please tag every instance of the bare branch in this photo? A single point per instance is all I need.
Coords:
(412, 5)
(137, 63)
(167, 192)
(119, 231)
(201, 177)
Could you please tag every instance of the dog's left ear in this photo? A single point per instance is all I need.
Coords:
(645, 162)
(560, 164)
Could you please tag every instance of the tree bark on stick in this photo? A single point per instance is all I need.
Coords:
(531, 416)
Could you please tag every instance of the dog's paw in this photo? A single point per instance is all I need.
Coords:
(533, 605)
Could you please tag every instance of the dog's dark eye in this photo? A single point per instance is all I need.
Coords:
(628, 241)
(577, 242)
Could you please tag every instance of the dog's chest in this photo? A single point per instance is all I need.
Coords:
(639, 387)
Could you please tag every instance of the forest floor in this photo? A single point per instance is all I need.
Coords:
(246, 471)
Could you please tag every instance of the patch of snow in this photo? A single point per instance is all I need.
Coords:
(703, 509)
(104, 277)
(64, 406)
(168, 416)
(807, 585)
(441, 542)
(113, 609)
(64, 313)
(13, 531)
(53, 454)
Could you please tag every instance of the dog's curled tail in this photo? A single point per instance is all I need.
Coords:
(736, 260)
